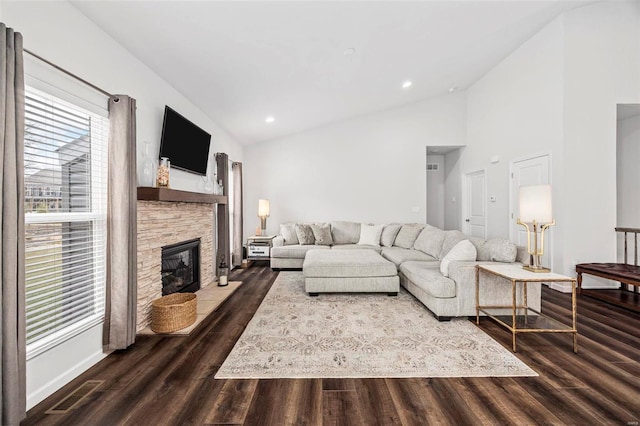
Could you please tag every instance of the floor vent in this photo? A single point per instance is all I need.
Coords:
(72, 400)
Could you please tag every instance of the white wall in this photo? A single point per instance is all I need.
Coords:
(370, 168)
(435, 191)
(515, 111)
(557, 93)
(601, 70)
(58, 32)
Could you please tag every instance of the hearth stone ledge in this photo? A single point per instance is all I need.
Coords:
(162, 223)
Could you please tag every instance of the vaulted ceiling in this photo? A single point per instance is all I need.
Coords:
(309, 63)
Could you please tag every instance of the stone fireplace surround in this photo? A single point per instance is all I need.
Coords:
(162, 223)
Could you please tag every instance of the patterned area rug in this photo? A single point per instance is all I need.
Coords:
(293, 335)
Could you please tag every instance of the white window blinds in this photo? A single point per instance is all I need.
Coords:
(65, 214)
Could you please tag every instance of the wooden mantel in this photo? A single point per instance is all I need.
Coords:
(147, 193)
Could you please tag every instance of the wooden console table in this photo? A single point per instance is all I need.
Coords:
(529, 320)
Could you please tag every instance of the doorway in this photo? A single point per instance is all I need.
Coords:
(474, 206)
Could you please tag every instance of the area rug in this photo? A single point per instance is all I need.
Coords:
(293, 335)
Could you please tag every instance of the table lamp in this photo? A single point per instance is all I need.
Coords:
(535, 209)
(263, 213)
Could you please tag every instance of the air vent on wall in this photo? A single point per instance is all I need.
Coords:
(432, 166)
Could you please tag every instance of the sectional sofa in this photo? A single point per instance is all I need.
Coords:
(435, 266)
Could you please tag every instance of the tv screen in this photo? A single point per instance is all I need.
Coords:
(185, 144)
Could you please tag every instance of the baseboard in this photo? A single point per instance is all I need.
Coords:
(562, 287)
(59, 381)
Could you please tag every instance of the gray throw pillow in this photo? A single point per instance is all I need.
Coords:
(430, 241)
(304, 234)
(389, 234)
(322, 234)
(481, 248)
(288, 232)
(451, 238)
(407, 235)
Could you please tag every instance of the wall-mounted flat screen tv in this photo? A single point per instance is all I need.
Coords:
(185, 144)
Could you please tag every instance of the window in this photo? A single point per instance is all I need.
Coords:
(65, 173)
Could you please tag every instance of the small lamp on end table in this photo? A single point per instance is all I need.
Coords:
(535, 209)
(263, 214)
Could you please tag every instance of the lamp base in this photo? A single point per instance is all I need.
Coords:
(536, 269)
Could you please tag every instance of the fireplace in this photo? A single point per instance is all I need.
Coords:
(181, 267)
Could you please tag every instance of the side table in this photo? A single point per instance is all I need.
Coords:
(259, 247)
(529, 320)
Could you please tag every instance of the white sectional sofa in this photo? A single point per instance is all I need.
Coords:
(446, 288)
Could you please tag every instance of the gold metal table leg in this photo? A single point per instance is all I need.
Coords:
(477, 296)
(513, 313)
(574, 310)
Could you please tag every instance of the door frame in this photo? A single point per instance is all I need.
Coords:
(465, 204)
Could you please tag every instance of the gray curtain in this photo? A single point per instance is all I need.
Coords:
(121, 294)
(236, 256)
(12, 287)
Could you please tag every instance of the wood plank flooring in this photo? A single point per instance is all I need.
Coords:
(169, 380)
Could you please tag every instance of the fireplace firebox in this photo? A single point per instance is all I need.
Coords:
(181, 267)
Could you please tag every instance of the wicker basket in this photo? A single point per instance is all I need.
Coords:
(173, 312)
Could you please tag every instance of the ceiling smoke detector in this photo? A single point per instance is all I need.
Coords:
(348, 52)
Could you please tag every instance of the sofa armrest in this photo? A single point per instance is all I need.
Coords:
(278, 241)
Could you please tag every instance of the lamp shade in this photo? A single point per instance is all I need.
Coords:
(263, 208)
(535, 204)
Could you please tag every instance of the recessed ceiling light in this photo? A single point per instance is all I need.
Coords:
(269, 119)
(348, 52)
(406, 84)
(453, 89)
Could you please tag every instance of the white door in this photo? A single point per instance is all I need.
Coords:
(474, 210)
(529, 171)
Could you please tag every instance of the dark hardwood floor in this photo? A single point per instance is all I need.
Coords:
(169, 380)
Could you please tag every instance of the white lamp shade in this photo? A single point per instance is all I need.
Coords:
(535, 204)
(263, 208)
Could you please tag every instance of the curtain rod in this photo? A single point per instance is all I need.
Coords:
(69, 73)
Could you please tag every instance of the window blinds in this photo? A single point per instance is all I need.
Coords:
(65, 213)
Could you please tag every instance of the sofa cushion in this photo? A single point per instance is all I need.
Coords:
(430, 241)
(463, 251)
(378, 249)
(294, 252)
(398, 255)
(407, 235)
(349, 263)
(322, 234)
(345, 232)
(370, 234)
(501, 250)
(389, 234)
(304, 234)
(427, 276)
(451, 238)
(288, 232)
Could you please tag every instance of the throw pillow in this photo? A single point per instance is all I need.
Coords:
(322, 234)
(345, 232)
(501, 250)
(288, 232)
(370, 234)
(407, 235)
(464, 251)
(389, 234)
(430, 241)
(451, 238)
(304, 234)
